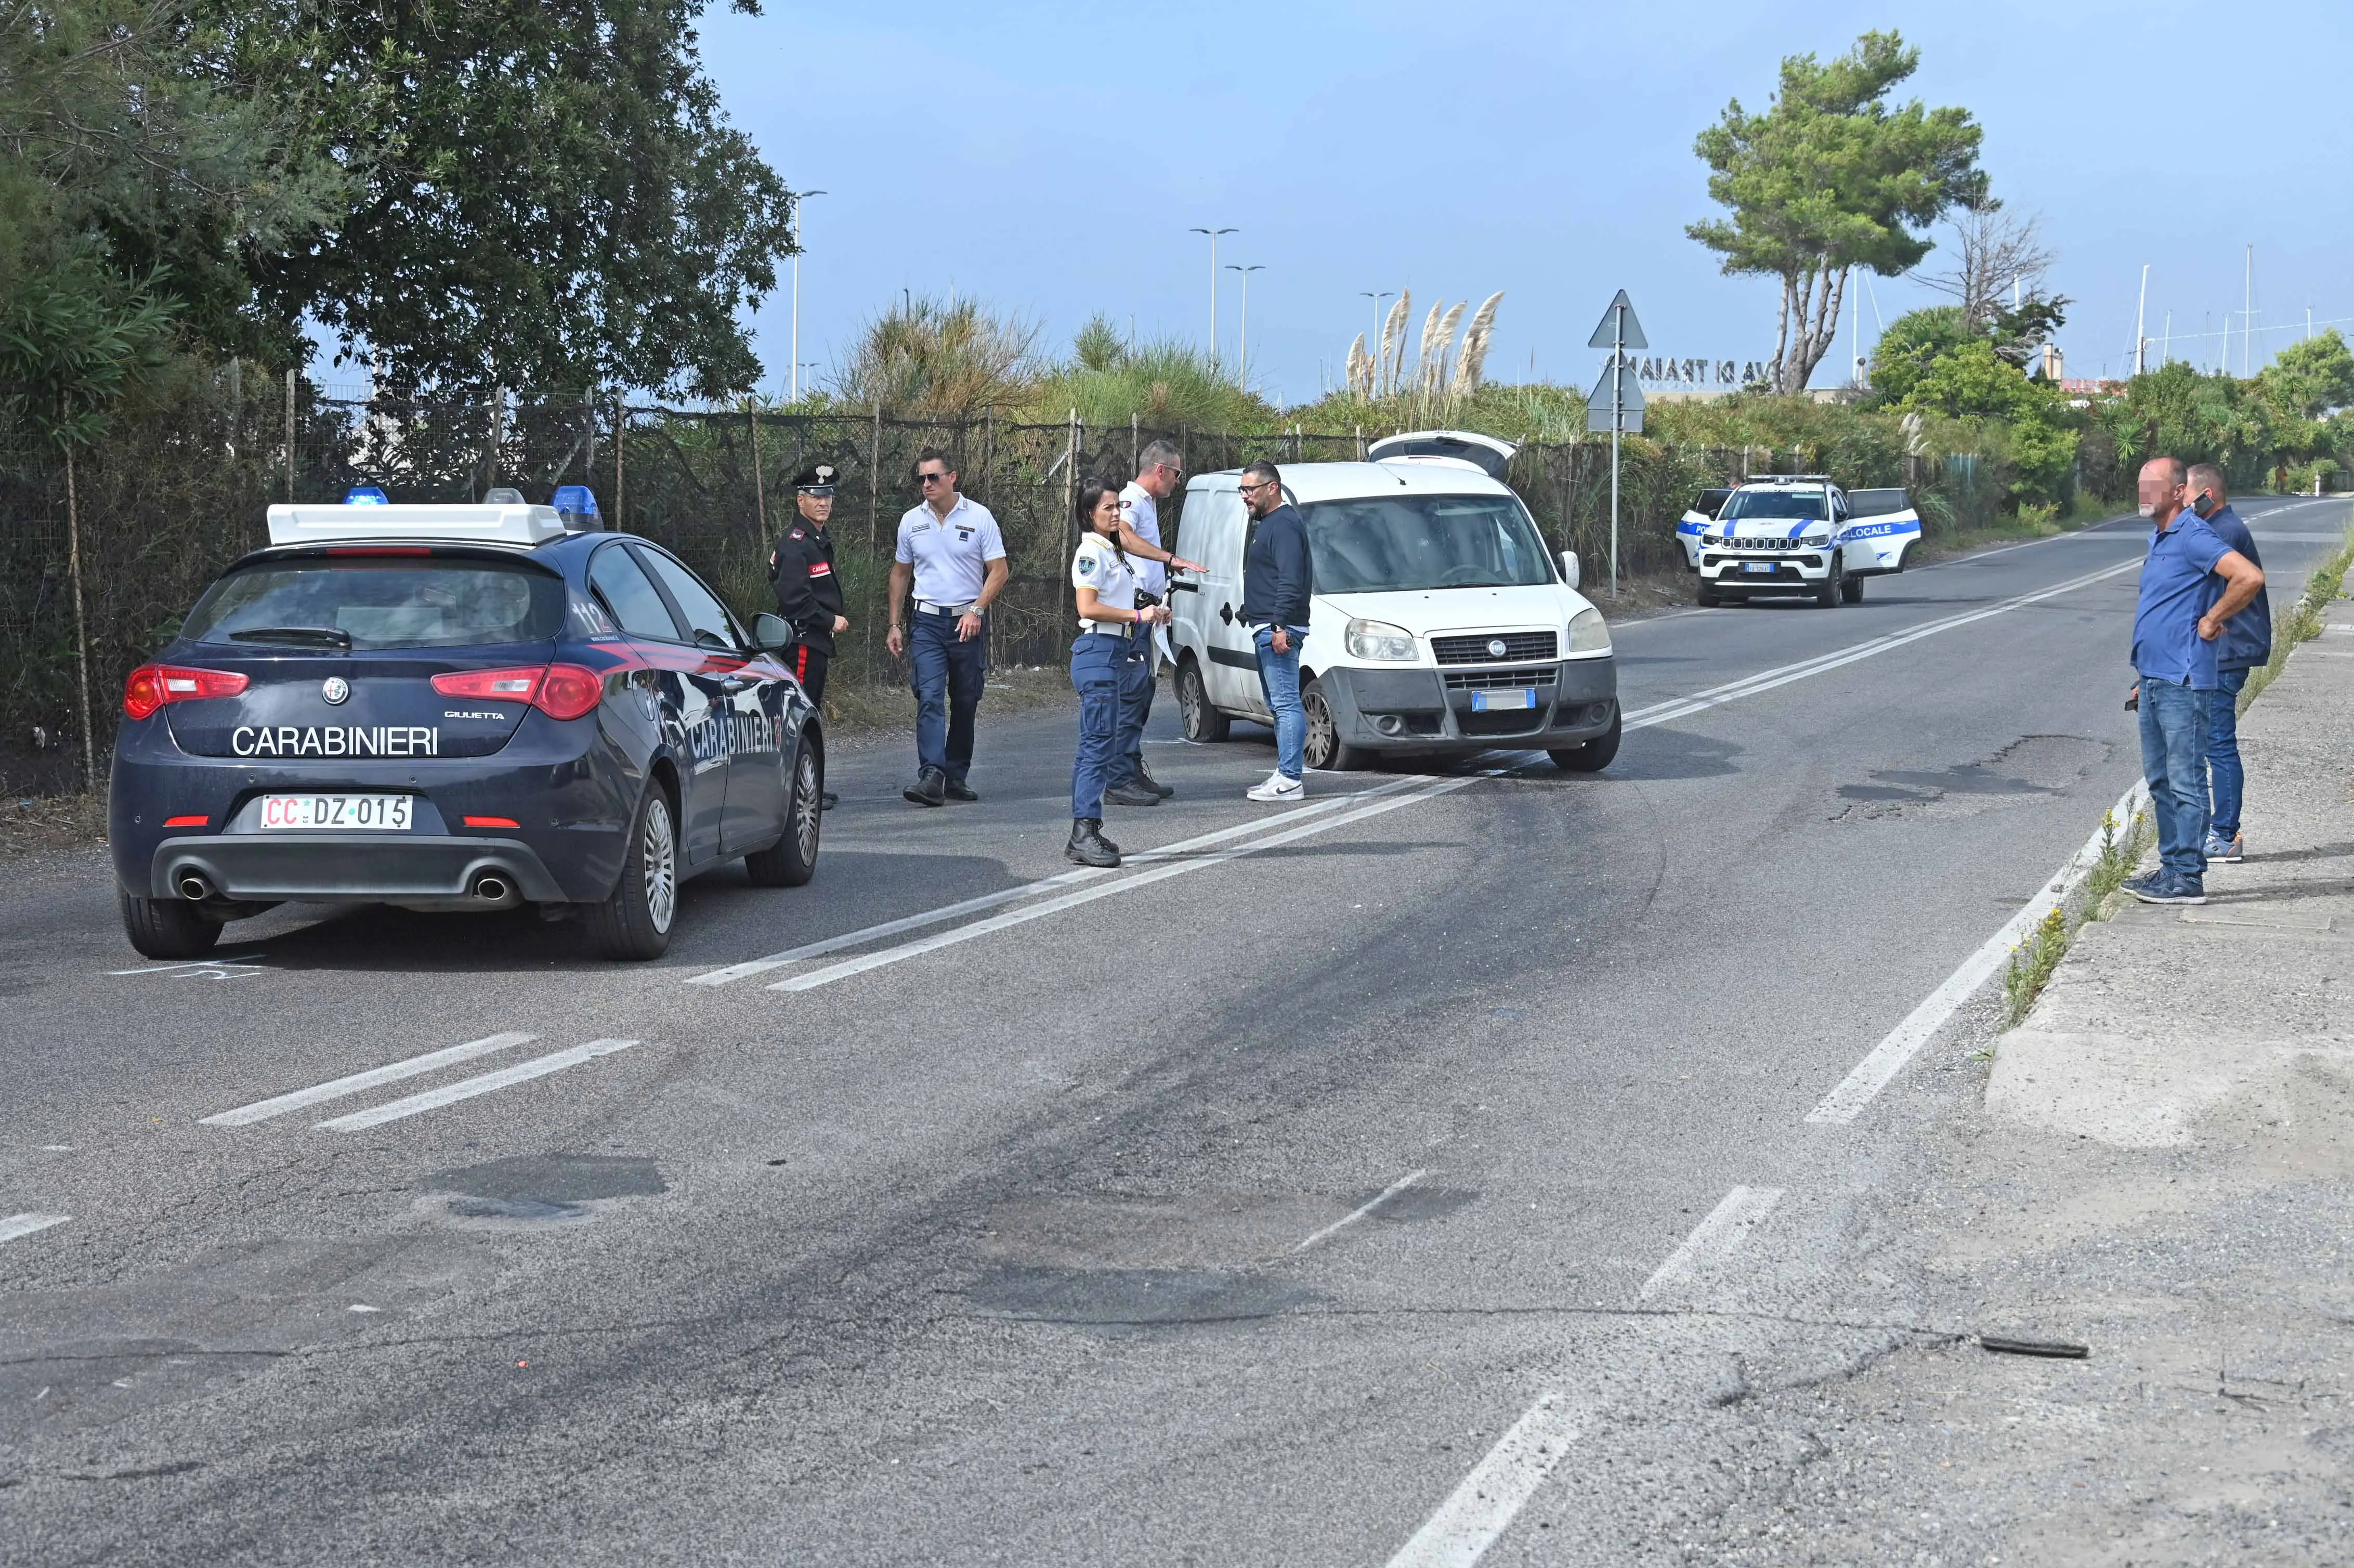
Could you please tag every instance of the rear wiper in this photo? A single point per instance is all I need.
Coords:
(304, 636)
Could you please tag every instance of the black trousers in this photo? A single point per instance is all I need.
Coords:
(809, 667)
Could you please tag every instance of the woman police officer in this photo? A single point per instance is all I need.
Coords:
(1103, 583)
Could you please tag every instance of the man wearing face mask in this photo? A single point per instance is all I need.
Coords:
(2176, 623)
(2246, 644)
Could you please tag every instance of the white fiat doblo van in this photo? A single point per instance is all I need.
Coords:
(1439, 622)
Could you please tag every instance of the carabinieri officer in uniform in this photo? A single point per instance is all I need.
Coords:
(1103, 584)
(809, 594)
(950, 551)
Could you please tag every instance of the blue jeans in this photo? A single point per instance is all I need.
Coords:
(1135, 707)
(1278, 678)
(2227, 777)
(1096, 665)
(947, 681)
(2174, 761)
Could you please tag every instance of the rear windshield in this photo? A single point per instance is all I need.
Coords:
(1423, 542)
(381, 603)
(1876, 503)
(1782, 504)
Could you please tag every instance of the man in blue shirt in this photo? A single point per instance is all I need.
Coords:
(2176, 624)
(952, 557)
(2246, 644)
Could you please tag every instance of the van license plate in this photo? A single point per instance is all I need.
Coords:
(1762, 568)
(1488, 702)
(388, 814)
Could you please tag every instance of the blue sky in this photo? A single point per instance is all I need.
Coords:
(1049, 160)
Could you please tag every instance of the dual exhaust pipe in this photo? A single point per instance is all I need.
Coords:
(490, 887)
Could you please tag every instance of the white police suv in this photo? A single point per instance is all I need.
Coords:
(1796, 534)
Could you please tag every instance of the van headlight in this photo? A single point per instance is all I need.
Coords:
(1379, 640)
(1589, 633)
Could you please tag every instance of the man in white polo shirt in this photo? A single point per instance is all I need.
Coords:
(1160, 469)
(952, 554)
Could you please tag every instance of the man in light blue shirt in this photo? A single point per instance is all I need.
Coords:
(2180, 613)
(953, 558)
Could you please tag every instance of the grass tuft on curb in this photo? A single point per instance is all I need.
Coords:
(2033, 960)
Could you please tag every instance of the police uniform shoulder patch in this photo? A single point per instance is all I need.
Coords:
(1086, 563)
(796, 533)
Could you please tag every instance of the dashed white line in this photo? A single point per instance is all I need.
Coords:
(1345, 1221)
(1717, 1237)
(17, 1226)
(1039, 911)
(1479, 1511)
(467, 1088)
(1868, 1077)
(391, 1073)
(861, 937)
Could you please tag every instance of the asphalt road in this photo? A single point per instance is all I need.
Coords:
(1421, 1171)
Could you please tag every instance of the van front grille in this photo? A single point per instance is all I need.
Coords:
(1475, 649)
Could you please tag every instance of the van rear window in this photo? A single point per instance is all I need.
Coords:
(456, 602)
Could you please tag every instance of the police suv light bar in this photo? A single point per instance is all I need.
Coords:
(504, 523)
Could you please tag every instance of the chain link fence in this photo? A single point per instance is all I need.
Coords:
(178, 490)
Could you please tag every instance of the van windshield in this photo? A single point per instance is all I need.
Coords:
(1375, 543)
(1782, 504)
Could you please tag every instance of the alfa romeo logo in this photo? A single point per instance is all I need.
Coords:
(1496, 650)
(337, 689)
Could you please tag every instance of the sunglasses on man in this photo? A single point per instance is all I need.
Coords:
(931, 478)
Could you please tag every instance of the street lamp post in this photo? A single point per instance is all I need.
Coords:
(1375, 342)
(1213, 234)
(799, 197)
(1241, 371)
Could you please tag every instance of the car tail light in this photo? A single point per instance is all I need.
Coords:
(559, 691)
(150, 686)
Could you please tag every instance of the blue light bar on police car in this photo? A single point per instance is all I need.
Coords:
(365, 495)
(578, 503)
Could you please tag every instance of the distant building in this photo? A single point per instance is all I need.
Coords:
(2046, 363)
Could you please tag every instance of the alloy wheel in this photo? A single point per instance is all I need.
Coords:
(660, 854)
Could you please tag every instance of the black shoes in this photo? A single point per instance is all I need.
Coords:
(1131, 795)
(1147, 781)
(961, 790)
(931, 789)
(1089, 846)
(827, 801)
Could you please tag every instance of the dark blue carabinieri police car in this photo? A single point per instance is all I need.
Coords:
(458, 708)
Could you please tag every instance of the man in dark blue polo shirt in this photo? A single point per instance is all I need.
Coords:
(2246, 645)
(2176, 623)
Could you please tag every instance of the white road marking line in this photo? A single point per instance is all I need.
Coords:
(391, 1073)
(864, 962)
(1719, 1236)
(1869, 1076)
(1345, 1221)
(246, 964)
(467, 1088)
(1766, 680)
(859, 938)
(1479, 1511)
(17, 1226)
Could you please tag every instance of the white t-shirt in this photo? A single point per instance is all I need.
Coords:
(951, 555)
(1144, 516)
(1098, 566)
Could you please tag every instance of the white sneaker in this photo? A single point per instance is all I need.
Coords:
(1279, 787)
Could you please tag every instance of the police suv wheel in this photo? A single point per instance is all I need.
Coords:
(1852, 592)
(792, 860)
(1826, 592)
(1326, 752)
(1708, 596)
(635, 922)
(168, 928)
(1595, 755)
(1204, 723)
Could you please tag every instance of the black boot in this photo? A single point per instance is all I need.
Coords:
(1089, 846)
(1131, 795)
(1149, 782)
(828, 801)
(931, 789)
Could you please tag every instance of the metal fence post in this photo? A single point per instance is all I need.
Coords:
(290, 435)
(621, 420)
(759, 485)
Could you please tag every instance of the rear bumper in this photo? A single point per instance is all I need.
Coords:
(572, 804)
(392, 867)
(1419, 710)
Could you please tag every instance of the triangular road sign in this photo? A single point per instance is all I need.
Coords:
(1607, 334)
(1630, 403)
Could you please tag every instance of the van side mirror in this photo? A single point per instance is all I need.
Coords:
(770, 632)
(1569, 567)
